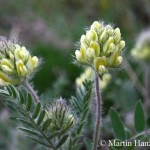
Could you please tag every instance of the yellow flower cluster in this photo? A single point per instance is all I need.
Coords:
(142, 48)
(100, 48)
(88, 75)
(16, 63)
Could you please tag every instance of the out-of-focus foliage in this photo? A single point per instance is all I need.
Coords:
(50, 29)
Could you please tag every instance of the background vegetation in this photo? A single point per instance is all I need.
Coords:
(50, 29)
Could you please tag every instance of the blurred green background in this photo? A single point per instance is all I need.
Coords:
(50, 29)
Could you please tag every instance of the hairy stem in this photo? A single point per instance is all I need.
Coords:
(133, 78)
(98, 113)
(146, 87)
(146, 132)
(31, 90)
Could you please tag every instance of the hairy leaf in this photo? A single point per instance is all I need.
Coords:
(32, 132)
(62, 141)
(29, 102)
(46, 124)
(54, 134)
(4, 93)
(118, 128)
(25, 122)
(139, 117)
(21, 97)
(38, 141)
(41, 117)
(13, 91)
(36, 110)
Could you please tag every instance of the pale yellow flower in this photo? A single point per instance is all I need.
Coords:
(88, 75)
(16, 63)
(101, 48)
(141, 51)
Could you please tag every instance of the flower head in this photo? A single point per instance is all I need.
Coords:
(141, 51)
(61, 116)
(101, 48)
(16, 63)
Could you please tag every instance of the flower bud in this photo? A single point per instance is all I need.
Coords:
(91, 36)
(109, 30)
(90, 53)
(96, 26)
(102, 70)
(32, 63)
(21, 53)
(8, 63)
(11, 56)
(5, 79)
(107, 44)
(96, 47)
(78, 55)
(21, 69)
(7, 69)
(83, 39)
(119, 60)
(99, 61)
(62, 119)
(111, 48)
(121, 45)
(117, 35)
(103, 36)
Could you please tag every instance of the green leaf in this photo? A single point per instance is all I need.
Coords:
(67, 128)
(56, 133)
(5, 93)
(29, 102)
(36, 110)
(13, 118)
(9, 90)
(86, 104)
(70, 144)
(38, 141)
(11, 107)
(77, 147)
(62, 141)
(118, 127)
(21, 97)
(29, 131)
(76, 139)
(76, 103)
(46, 124)
(85, 111)
(88, 144)
(80, 127)
(25, 122)
(13, 91)
(139, 117)
(41, 117)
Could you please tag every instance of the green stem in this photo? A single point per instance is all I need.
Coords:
(31, 90)
(146, 132)
(98, 113)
